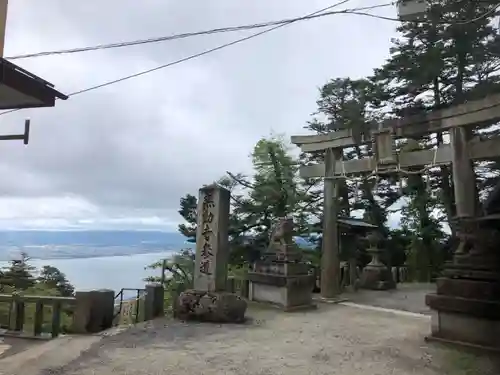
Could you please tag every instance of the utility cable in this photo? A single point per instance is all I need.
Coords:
(191, 57)
(206, 52)
(360, 11)
(198, 33)
(444, 22)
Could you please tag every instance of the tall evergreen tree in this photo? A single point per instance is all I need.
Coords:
(348, 104)
(451, 57)
(448, 59)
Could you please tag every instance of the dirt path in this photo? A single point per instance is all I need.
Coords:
(335, 339)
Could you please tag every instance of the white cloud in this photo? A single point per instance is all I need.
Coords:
(124, 155)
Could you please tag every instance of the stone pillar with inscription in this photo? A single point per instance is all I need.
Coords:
(212, 248)
(209, 300)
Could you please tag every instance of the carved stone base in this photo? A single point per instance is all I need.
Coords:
(466, 311)
(474, 267)
(376, 277)
(220, 307)
(290, 293)
(281, 268)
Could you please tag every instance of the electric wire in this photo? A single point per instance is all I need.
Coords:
(360, 11)
(237, 41)
(198, 33)
(444, 22)
(191, 57)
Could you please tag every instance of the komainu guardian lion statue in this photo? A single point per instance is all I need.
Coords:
(281, 234)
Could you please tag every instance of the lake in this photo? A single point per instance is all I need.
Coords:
(113, 272)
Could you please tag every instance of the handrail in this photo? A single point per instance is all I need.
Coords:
(137, 298)
(33, 298)
(17, 305)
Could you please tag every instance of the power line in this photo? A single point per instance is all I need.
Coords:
(198, 33)
(191, 57)
(360, 11)
(443, 22)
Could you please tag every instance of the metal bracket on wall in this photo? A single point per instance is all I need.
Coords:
(24, 137)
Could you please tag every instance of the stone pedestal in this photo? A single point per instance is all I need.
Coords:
(94, 311)
(280, 278)
(215, 307)
(376, 275)
(466, 305)
(287, 292)
(154, 301)
(209, 300)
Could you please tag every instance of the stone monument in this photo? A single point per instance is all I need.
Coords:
(376, 275)
(280, 278)
(209, 301)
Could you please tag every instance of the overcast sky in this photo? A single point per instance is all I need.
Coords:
(122, 156)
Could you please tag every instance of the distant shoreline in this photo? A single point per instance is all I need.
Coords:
(90, 256)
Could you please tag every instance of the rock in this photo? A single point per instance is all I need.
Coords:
(220, 307)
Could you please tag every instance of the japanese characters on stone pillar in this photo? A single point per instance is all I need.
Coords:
(212, 239)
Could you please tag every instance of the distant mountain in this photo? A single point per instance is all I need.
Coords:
(85, 244)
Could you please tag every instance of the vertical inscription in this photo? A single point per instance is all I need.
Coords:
(211, 239)
(206, 253)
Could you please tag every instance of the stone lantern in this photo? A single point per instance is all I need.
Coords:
(376, 275)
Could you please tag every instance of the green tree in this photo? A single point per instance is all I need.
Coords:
(435, 64)
(178, 271)
(52, 278)
(188, 211)
(450, 58)
(19, 274)
(349, 104)
(272, 191)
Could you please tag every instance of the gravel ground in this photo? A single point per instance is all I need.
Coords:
(335, 339)
(407, 297)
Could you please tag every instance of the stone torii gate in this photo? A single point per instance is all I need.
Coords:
(459, 152)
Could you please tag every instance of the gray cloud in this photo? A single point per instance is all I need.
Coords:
(134, 148)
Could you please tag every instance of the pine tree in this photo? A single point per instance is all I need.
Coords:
(348, 104)
(443, 61)
(19, 275)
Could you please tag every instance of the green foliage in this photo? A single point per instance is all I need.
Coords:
(180, 269)
(52, 278)
(274, 190)
(19, 274)
(18, 278)
(176, 273)
(432, 65)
